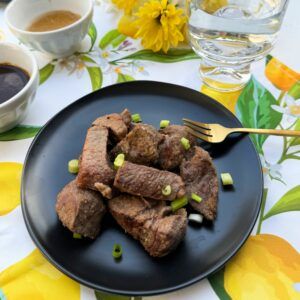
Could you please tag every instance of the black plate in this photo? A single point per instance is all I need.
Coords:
(204, 249)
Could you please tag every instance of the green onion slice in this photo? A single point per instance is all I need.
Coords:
(167, 190)
(119, 161)
(164, 123)
(117, 251)
(185, 143)
(197, 218)
(73, 166)
(136, 118)
(226, 179)
(77, 236)
(179, 203)
(196, 198)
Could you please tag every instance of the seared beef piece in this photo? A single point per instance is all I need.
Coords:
(80, 210)
(115, 123)
(150, 222)
(148, 182)
(200, 177)
(94, 165)
(171, 151)
(104, 189)
(126, 115)
(140, 145)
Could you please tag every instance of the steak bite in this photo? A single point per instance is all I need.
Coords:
(140, 145)
(94, 165)
(150, 222)
(116, 123)
(171, 151)
(148, 182)
(80, 210)
(126, 115)
(200, 177)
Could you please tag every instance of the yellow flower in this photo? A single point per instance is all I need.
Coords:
(127, 5)
(160, 25)
(267, 267)
(10, 185)
(212, 6)
(127, 26)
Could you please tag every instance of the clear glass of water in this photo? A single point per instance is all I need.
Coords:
(231, 34)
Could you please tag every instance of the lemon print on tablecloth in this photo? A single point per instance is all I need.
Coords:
(10, 184)
(228, 99)
(267, 267)
(34, 278)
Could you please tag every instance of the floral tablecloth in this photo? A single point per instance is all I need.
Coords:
(268, 265)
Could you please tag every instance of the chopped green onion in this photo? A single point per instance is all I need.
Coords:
(119, 161)
(164, 123)
(179, 203)
(117, 251)
(226, 179)
(196, 198)
(197, 218)
(73, 166)
(77, 236)
(136, 118)
(167, 190)
(185, 143)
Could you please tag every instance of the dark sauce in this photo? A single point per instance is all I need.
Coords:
(12, 81)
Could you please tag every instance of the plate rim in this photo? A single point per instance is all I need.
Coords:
(123, 292)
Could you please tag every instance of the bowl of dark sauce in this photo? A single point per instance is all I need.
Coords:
(19, 79)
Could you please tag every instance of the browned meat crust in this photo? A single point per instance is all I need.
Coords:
(148, 182)
(126, 115)
(171, 151)
(140, 145)
(200, 177)
(80, 210)
(150, 222)
(115, 123)
(94, 164)
(104, 189)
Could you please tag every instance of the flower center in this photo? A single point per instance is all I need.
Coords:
(105, 54)
(294, 109)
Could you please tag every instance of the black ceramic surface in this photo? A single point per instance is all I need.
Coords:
(204, 249)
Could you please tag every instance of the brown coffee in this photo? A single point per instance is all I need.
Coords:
(12, 81)
(53, 20)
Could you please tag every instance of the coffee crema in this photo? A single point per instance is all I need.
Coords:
(12, 81)
(53, 20)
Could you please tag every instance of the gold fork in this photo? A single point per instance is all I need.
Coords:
(216, 133)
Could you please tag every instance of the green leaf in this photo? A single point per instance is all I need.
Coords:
(217, 282)
(92, 34)
(295, 141)
(118, 40)
(19, 132)
(124, 78)
(46, 72)
(173, 55)
(105, 296)
(109, 38)
(95, 73)
(268, 58)
(288, 202)
(254, 110)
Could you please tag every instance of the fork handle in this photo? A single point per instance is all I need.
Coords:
(280, 132)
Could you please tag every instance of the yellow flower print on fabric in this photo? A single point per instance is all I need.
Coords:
(34, 278)
(267, 267)
(10, 185)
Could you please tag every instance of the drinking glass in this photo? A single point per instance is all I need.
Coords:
(231, 34)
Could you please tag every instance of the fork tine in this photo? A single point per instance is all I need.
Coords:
(198, 134)
(198, 128)
(199, 124)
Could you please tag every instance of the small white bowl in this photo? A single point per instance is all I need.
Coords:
(14, 110)
(62, 42)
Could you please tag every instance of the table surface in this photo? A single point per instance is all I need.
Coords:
(268, 265)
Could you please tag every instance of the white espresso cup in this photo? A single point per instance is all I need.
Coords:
(61, 42)
(14, 110)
